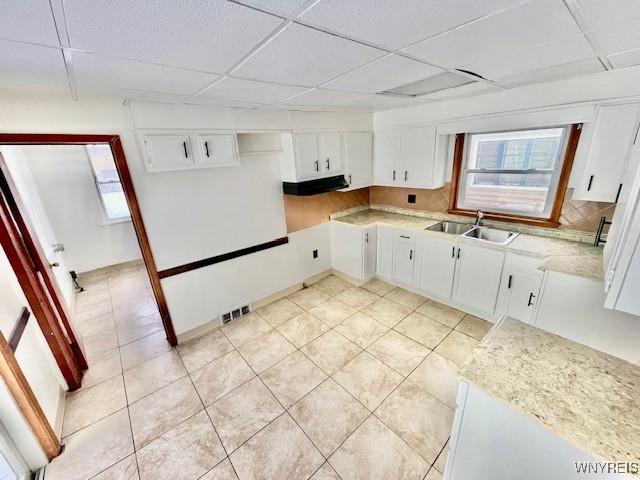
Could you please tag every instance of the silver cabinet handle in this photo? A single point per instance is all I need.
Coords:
(405, 175)
(317, 166)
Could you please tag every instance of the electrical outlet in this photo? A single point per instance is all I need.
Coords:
(315, 253)
(411, 198)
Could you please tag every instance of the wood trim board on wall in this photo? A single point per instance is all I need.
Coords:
(18, 329)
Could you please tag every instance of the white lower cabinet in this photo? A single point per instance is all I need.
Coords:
(353, 250)
(404, 257)
(384, 252)
(370, 252)
(436, 266)
(520, 288)
(477, 277)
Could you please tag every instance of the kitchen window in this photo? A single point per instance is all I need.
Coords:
(107, 180)
(518, 175)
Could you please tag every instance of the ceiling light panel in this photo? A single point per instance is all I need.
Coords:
(250, 91)
(524, 26)
(31, 71)
(304, 56)
(202, 35)
(31, 21)
(396, 24)
(92, 69)
(321, 97)
(471, 89)
(550, 74)
(541, 56)
(383, 74)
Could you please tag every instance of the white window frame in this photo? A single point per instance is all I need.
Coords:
(107, 220)
(553, 185)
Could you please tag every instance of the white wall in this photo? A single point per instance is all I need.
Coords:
(37, 363)
(64, 181)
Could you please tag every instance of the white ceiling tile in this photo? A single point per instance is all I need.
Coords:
(99, 92)
(91, 69)
(395, 24)
(549, 54)
(619, 37)
(605, 12)
(288, 7)
(304, 56)
(28, 21)
(217, 102)
(383, 74)
(625, 59)
(524, 26)
(321, 97)
(250, 91)
(557, 72)
(379, 102)
(203, 35)
(28, 71)
(471, 89)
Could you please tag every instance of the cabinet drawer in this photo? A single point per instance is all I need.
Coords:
(404, 236)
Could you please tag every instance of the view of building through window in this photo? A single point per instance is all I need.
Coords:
(512, 172)
(108, 182)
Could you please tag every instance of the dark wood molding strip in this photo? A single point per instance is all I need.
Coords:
(187, 267)
(18, 330)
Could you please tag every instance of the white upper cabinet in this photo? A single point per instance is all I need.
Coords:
(603, 151)
(436, 266)
(166, 151)
(477, 278)
(408, 157)
(220, 150)
(358, 156)
(331, 153)
(307, 155)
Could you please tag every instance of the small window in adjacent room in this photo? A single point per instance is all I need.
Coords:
(108, 183)
(514, 175)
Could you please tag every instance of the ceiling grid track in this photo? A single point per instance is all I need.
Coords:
(576, 13)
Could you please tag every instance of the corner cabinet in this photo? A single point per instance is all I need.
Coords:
(169, 151)
(353, 250)
(520, 288)
(358, 157)
(408, 157)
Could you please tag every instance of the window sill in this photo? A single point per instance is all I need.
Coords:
(504, 217)
(106, 223)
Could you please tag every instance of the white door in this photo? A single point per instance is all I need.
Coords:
(417, 159)
(524, 288)
(436, 266)
(347, 249)
(386, 157)
(331, 156)
(369, 252)
(384, 252)
(168, 152)
(358, 158)
(307, 155)
(477, 279)
(218, 150)
(404, 257)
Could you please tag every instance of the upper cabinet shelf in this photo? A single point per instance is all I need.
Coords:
(169, 151)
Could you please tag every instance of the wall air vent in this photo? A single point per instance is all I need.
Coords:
(428, 85)
(235, 313)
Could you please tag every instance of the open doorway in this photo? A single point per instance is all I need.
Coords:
(77, 194)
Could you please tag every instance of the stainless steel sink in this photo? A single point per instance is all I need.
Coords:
(493, 235)
(450, 227)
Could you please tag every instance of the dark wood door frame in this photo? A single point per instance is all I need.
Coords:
(130, 194)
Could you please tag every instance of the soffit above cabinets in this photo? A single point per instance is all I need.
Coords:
(304, 54)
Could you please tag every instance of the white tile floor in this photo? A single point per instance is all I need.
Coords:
(332, 382)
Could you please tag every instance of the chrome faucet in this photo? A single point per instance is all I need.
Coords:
(479, 217)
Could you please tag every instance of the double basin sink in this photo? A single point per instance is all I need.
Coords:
(467, 230)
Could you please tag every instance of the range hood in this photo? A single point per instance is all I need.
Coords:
(314, 187)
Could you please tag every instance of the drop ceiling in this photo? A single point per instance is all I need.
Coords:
(304, 54)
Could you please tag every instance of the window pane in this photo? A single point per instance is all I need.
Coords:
(103, 165)
(108, 182)
(523, 193)
(114, 201)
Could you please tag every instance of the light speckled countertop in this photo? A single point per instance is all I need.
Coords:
(589, 398)
(559, 255)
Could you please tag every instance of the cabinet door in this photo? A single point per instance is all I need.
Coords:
(386, 155)
(417, 158)
(307, 154)
(613, 132)
(369, 252)
(524, 288)
(358, 158)
(168, 152)
(218, 150)
(477, 278)
(384, 252)
(436, 266)
(404, 258)
(331, 153)
(347, 249)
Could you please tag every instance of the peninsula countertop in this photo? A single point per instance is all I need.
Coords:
(565, 256)
(589, 398)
